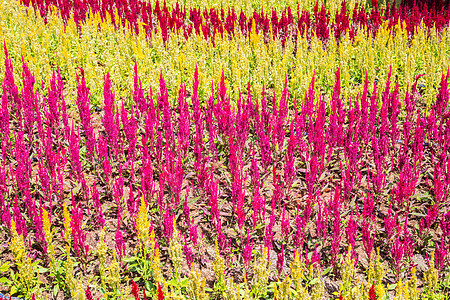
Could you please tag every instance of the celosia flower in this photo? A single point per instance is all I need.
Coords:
(168, 224)
(83, 101)
(78, 233)
(335, 208)
(88, 294)
(193, 234)
(160, 292)
(445, 225)
(368, 236)
(135, 290)
(186, 209)
(280, 260)
(120, 244)
(372, 294)
(247, 253)
(98, 206)
(390, 223)
(268, 238)
(397, 250)
(285, 225)
(440, 255)
(188, 253)
(289, 169)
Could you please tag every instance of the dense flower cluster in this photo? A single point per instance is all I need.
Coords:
(244, 150)
(286, 24)
(311, 183)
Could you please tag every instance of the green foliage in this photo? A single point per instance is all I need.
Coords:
(140, 268)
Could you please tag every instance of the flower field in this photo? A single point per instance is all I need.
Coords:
(224, 150)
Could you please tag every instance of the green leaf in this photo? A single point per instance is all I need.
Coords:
(417, 214)
(149, 286)
(130, 259)
(326, 271)
(4, 267)
(184, 282)
(13, 290)
(5, 280)
(55, 289)
(76, 189)
(392, 287)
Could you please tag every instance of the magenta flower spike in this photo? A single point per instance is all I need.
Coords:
(129, 127)
(258, 204)
(28, 98)
(118, 189)
(280, 260)
(193, 233)
(75, 152)
(364, 118)
(5, 212)
(78, 234)
(9, 87)
(138, 92)
(440, 255)
(240, 203)
(397, 250)
(112, 131)
(315, 257)
(445, 225)
(368, 209)
(131, 202)
(289, 169)
(195, 97)
(168, 224)
(322, 221)
(443, 95)
(254, 173)
(21, 225)
(54, 94)
(98, 206)
(300, 234)
(184, 120)
(268, 239)
(335, 209)
(351, 230)
(83, 101)
(120, 244)
(188, 253)
(368, 236)
(264, 144)
(285, 224)
(248, 248)
(87, 293)
(390, 224)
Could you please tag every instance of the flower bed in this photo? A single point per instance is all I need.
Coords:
(234, 173)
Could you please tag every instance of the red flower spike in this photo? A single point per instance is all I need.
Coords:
(134, 290)
(372, 295)
(160, 293)
(88, 294)
(145, 295)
